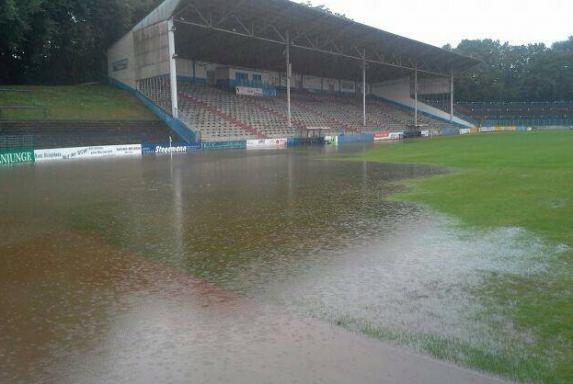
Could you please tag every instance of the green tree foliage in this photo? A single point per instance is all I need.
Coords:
(62, 41)
(517, 73)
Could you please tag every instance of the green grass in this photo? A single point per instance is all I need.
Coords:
(508, 180)
(84, 103)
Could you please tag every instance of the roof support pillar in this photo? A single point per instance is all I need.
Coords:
(288, 74)
(172, 70)
(364, 88)
(416, 96)
(452, 112)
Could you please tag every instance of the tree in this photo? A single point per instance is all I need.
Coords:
(517, 73)
(62, 41)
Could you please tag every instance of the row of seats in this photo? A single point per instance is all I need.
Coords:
(222, 115)
(517, 110)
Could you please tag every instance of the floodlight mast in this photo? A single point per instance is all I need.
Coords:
(452, 112)
(173, 69)
(288, 77)
(416, 97)
(364, 87)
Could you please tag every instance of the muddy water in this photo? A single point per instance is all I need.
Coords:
(218, 267)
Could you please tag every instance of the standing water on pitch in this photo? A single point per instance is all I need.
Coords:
(92, 250)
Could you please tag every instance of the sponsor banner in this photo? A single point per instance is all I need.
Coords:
(487, 129)
(16, 157)
(248, 91)
(426, 133)
(148, 149)
(218, 145)
(331, 140)
(396, 135)
(506, 129)
(267, 144)
(524, 129)
(88, 152)
(356, 138)
(381, 135)
(465, 131)
(120, 65)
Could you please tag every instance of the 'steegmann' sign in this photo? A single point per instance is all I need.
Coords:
(16, 157)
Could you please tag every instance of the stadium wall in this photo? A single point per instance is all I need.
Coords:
(398, 91)
(226, 76)
(193, 70)
(144, 54)
(121, 61)
(151, 46)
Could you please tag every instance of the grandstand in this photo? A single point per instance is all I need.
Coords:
(255, 69)
(530, 114)
(221, 115)
(504, 114)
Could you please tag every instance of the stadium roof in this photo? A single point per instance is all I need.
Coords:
(254, 34)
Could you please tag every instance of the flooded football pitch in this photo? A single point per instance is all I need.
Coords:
(239, 267)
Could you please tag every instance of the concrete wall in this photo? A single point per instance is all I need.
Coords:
(226, 75)
(121, 61)
(194, 70)
(331, 85)
(347, 86)
(433, 86)
(312, 83)
(151, 46)
(398, 91)
(140, 55)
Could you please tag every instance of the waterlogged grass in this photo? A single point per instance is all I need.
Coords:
(505, 180)
(499, 362)
(90, 102)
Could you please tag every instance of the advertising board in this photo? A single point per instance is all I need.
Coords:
(248, 91)
(88, 152)
(20, 156)
(267, 144)
(396, 135)
(381, 135)
(149, 149)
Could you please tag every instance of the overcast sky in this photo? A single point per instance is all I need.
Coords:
(440, 22)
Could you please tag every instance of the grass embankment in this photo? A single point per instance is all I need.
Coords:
(509, 180)
(78, 103)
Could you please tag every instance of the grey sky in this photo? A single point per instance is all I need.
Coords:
(439, 22)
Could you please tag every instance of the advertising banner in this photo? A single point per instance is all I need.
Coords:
(150, 149)
(219, 145)
(331, 140)
(381, 135)
(465, 131)
(248, 91)
(19, 156)
(396, 135)
(267, 144)
(354, 139)
(487, 129)
(426, 133)
(88, 152)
